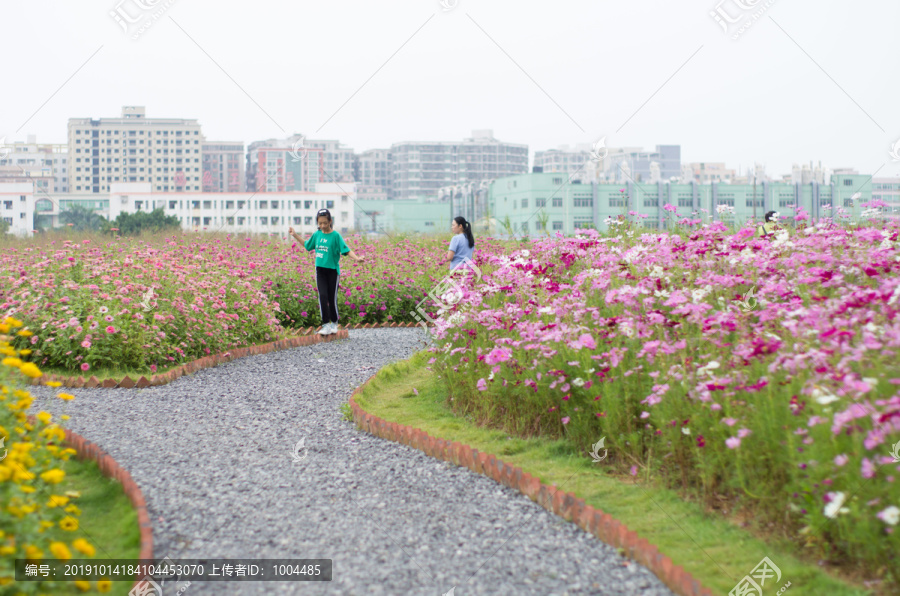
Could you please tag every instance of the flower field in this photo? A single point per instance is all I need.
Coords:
(142, 305)
(762, 377)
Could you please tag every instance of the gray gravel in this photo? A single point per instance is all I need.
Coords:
(212, 453)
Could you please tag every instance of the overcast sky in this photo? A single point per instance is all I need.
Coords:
(809, 80)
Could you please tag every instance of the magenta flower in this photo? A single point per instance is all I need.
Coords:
(497, 355)
(482, 385)
(85, 366)
(86, 344)
(565, 420)
(110, 329)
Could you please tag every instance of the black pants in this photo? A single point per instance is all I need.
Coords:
(327, 285)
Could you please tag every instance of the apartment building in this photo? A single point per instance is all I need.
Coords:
(222, 166)
(44, 164)
(420, 168)
(162, 152)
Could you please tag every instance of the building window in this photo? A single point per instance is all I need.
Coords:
(206, 221)
(241, 220)
(264, 220)
(429, 224)
(329, 204)
(583, 202)
(297, 221)
(229, 221)
(241, 204)
(229, 204)
(207, 204)
(274, 204)
(758, 203)
(557, 225)
(275, 221)
(307, 221)
(524, 203)
(848, 182)
(307, 204)
(558, 181)
(557, 201)
(540, 202)
(538, 225)
(344, 215)
(264, 204)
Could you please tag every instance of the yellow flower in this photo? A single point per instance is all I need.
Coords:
(24, 352)
(60, 551)
(25, 333)
(4, 328)
(83, 585)
(29, 369)
(65, 396)
(46, 524)
(12, 322)
(33, 553)
(68, 523)
(84, 547)
(7, 550)
(9, 361)
(68, 451)
(65, 416)
(44, 417)
(57, 501)
(104, 585)
(54, 476)
(53, 384)
(27, 489)
(73, 494)
(5, 473)
(73, 509)
(20, 475)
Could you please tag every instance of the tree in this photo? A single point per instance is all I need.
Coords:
(4, 226)
(133, 224)
(544, 219)
(81, 218)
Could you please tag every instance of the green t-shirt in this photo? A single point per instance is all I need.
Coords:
(329, 248)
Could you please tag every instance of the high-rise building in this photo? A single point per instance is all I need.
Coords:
(284, 169)
(420, 168)
(44, 164)
(223, 166)
(706, 172)
(623, 165)
(373, 173)
(165, 152)
(335, 162)
(575, 161)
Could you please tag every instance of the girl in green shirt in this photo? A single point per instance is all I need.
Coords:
(328, 246)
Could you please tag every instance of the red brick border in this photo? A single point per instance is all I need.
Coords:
(111, 469)
(566, 505)
(304, 337)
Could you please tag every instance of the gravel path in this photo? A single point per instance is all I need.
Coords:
(212, 453)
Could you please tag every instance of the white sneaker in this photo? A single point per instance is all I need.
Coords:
(334, 328)
(326, 329)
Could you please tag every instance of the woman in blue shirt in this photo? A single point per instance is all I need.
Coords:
(462, 246)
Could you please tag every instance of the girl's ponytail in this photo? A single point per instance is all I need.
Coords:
(467, 230)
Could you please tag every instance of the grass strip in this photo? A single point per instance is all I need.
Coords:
(716, 551)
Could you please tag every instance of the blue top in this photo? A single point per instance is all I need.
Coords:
(461, 250)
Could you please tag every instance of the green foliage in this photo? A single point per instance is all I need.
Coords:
(81, 218)
(134, 224)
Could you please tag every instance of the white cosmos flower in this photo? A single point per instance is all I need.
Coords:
(836, 505)
(823, 397)
(578, 382)
(890, 516)
(685, 430)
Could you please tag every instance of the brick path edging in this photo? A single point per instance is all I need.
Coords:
(111, 469)
(304, 337)
(566, 505)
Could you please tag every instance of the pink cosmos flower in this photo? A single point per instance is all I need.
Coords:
(482, 385)
(86, 344)
(85, 366)
(729, 421)
(841, 460)
(868, 468)
(743, 433)
(497, 355)
(565, 420)
(732, 442)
